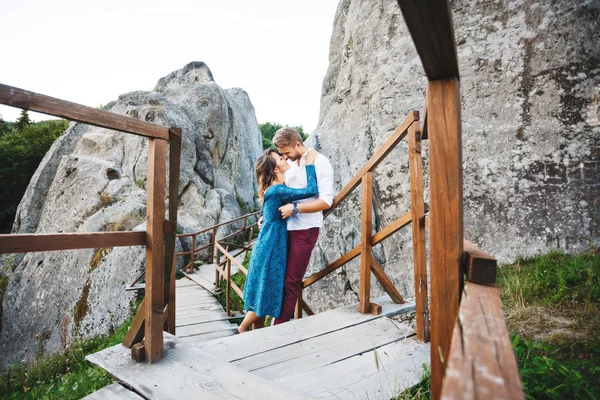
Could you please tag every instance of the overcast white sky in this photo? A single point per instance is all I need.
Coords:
(91, 52)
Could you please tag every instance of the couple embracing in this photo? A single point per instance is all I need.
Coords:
(295, 185)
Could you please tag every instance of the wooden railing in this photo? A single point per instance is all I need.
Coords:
(157, 309)
(249, 228)
(409, 127)
(482, 362)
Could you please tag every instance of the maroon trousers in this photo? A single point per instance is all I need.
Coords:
(301, 244)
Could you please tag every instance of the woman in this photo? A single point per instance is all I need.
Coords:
(263, 291)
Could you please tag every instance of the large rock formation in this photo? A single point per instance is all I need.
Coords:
(530, 84)
(94, 179)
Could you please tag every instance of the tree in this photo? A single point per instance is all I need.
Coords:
(20, 154)
(5, 127)
(23, 121)
(268, 130)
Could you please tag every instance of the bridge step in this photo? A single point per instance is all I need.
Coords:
(342, 353)
(186, 372)
(113, 392)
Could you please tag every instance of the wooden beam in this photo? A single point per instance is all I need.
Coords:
(482, 362)
(385, 281)
(298, 309)
(27, 243)
(399, 133)
(155, 249)
(170, 236)
(392, 228)
(351, 255)
(480, 267)
(376, 309)
(430, 25)
(446, 234)
(417, 208)
(135, 333)
(307, 309)
(15, 97)
(366, 243)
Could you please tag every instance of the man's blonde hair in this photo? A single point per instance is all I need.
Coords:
(286, 137)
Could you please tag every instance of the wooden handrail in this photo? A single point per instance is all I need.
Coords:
(221, 224)
(33, 242)
(24, 99)
(399, 133)
(481, 361)
(479, 267)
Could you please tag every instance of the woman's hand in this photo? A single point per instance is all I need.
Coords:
(311, 156)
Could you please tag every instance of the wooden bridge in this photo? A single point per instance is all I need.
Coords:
(353, 352)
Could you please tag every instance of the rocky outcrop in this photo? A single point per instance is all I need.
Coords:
(530, 80)
(93, 179)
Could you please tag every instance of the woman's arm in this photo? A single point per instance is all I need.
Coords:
(287, 194)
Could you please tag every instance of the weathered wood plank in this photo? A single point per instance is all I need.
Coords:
(446, 234)
(399, 133)
(26, 100)
(325, 349)
(480, 267)
(482, 362)
(135, 333)
(26, 243)
(113, 392)
(417, 208)
(155, 249)
(295, 331)
(430, 25)
(379, 374)
(187, 373)
(209, 327)
(364, 305)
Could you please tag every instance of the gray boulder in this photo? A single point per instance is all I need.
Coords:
(530, 113)
(94, 179)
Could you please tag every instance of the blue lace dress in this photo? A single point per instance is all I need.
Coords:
(263, 291)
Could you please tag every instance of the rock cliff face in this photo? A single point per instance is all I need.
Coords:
(530, 84)
(94, 179)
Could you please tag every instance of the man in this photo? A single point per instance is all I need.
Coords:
(305, 217)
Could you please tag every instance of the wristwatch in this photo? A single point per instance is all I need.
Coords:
(295, 209)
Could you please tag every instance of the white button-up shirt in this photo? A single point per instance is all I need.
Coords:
(295, 177)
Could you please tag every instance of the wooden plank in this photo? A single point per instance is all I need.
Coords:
(325, 349)
(32, 242)
(187, 373)
(392, 228)
(307, 309)
(352, 254)
(26, 100)
(199, 340)
(385, 281)
(379, 374)
(446, 234)
(482, 362)
(430, 25)
(399, 133)
(296, 331)
(155, 249)
(480, 267)
(199, 329)
(174, 168)
(417, 208)
(113, 392)
(366, 244)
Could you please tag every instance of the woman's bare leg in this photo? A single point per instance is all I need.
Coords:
(260, 323)
(249, 319)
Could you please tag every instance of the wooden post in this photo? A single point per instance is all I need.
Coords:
(446, 192)
(155, 249)
(366, 244)
(171, 233)
(193, 255)
(212, 241)
(418, 231)
(228, 287)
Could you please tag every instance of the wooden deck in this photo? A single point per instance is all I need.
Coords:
(199, 316)
(338, 354)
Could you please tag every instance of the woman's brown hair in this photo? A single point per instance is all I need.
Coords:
(265, 172)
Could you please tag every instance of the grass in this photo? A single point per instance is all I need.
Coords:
(552, 310)
(61, 375)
